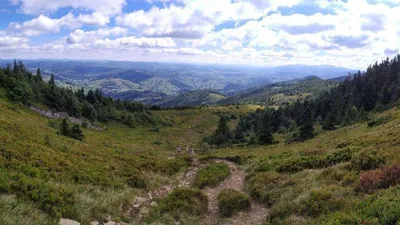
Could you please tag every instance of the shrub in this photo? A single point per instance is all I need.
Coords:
(367, 160)
(299, 164)
(185, 201)
(378, 121)
(370, 180)
(137, 181)
(231, 201)
(319, 202)
(338, 157)
(382, 208)
(267, 186)
(212, 175)
(381, 178)
(313, 162)
(54, 200)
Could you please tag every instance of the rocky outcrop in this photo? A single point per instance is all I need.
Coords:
(63, 115)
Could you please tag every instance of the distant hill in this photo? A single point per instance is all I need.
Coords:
(279, 93)
(152, 82)
(192, 98)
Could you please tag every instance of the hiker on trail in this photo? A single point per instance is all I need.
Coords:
(178, 149)
(190, 149)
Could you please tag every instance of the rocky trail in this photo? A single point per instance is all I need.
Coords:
(142, 204)
(255, 216)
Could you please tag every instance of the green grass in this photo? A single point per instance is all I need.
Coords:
(211, 175)
(317, 181)
(192, 202)
(231, 201)
(44, 175)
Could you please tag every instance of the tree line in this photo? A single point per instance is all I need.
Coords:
(349, 102)
(23, 86)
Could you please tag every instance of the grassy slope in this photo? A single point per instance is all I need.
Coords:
(291, 194)
(105, 160)
(97, 170)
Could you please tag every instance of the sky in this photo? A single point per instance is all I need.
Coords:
(348, 33)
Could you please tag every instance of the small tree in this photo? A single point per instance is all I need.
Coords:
(265, 137)
(307, 127)
(222, 134)
(76, 132)
(64, 128)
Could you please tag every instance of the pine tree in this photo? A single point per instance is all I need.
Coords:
(265, 137)
(239, 133)
(76, 133)
(64, 128)
(51, 81)
(222, 134)
(307, 127)
(38, 77)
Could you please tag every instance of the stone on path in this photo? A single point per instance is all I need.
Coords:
(68, 222)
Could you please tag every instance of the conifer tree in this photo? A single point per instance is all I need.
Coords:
(265, 136)
(38, 77)
(76, 132)
(64, 128)
(222, 134)
(307, 127)
(51, 81)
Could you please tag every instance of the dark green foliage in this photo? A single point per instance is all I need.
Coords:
(347, 103)
(55, 200)
(137, 181)
(185, 202)
(22, 86)
(382, 208)
(265, 137)
(367, 160)
(76, 132)
(378, 121)
(211, 175)
(314, 162)
(64, 128)
(222, 135)
(231, 201)
(307, 127)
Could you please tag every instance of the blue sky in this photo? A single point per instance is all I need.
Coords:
(350, 33)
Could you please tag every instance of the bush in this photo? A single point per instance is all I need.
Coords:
(185, 201)
(319, 202)
(231, 201)
(367, 160)
(212, 175)
(299, 164)
(381, 178)
(313, 162)
(378, 121)
(267, 186)
(382, 208)
(137, 181)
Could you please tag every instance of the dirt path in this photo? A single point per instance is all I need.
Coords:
(140, 207)
(255, 216)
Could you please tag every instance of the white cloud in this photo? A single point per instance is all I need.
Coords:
(105, 7)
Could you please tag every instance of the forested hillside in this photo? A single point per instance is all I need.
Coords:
(345, 104)
(30, 89)
(283, 92)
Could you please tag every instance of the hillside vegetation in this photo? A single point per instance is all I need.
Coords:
(332, 159)
(278, 94)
